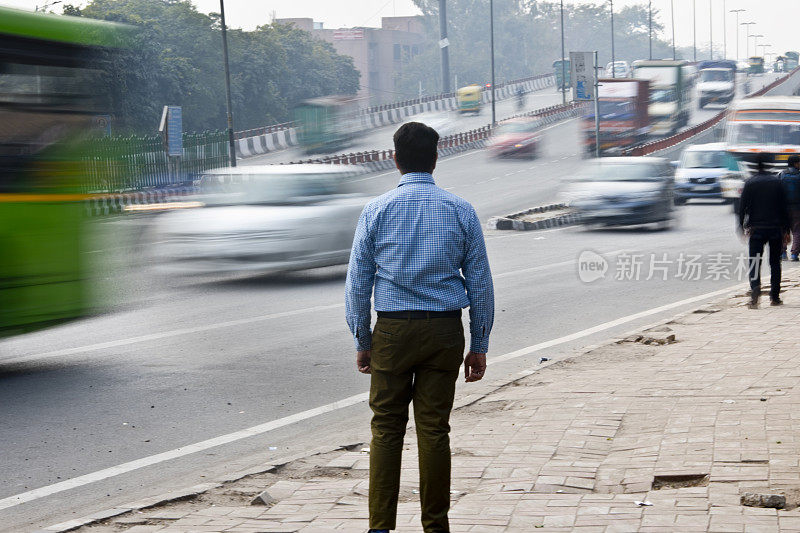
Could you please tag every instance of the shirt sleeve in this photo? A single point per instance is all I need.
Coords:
(480, 289)
(359, 283)
(744, 205)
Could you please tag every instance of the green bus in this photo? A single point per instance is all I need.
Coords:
(561, 68)
(327, 123)
(790, 61)
(756, 65)
(51, 70)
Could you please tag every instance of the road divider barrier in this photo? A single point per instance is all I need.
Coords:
(260, 141)
(516, 221)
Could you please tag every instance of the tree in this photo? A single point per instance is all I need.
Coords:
(175, 58)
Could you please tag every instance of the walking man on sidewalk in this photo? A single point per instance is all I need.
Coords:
(790, 178)
(422, 250)
(764, 219)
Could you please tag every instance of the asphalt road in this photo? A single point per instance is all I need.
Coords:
(178, 363)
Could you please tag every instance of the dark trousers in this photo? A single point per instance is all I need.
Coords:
(758, 238)
(413, 360)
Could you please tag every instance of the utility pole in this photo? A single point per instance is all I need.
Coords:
(613, 55)
(444, 44)
(231, 141)
(672, 11)
(491, 40)
(711, 27)
(563, 65)
(737, 11)
(650, 35)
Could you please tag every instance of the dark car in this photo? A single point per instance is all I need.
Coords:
(624, 191)
(515, 138)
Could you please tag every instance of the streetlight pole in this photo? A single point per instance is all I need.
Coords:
(563, 65)
(711, 27)
(737, 11)
(491, 46)
(231, 141)
(444, 44)
(724, 29)
(672, 11)
(613, 55)
(650, 35)
(755, 46)
(747, 43)
(694, 30)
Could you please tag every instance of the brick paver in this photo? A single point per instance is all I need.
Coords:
(574, 446)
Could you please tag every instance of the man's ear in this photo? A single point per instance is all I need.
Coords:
(396, 164)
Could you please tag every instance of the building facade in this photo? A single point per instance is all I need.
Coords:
(379, 54)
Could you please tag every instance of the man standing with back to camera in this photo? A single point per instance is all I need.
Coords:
(422, 250)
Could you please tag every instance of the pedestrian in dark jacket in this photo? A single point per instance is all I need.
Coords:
(790, 178)
(764, 219)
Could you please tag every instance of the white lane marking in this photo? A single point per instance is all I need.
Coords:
(168, 334)
(150, 460)
(546, 267)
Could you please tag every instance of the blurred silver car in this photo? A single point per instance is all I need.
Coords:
(624, 191)
(264, 219)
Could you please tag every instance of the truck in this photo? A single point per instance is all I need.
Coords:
(624, 119)
(717, 83)
(670, 94)
(328, 123)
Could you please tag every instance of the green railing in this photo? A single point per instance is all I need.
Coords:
(118, 164)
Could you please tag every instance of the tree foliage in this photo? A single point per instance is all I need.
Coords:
(175, 58)
(527, 36)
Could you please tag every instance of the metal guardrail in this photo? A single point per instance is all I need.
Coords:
(678, 138)
(263, 130)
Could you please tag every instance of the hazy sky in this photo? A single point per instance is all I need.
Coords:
(770, 16)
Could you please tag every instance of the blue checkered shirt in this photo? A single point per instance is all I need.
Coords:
(422, 249)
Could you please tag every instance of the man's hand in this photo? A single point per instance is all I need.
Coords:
(787, 238)
(474, 366)
(362, 361)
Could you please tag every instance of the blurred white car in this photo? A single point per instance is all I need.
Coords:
(263, 219)
(619, 69)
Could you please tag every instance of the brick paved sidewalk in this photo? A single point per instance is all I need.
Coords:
(573, 446)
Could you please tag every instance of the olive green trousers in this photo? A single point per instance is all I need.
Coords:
(413, 361)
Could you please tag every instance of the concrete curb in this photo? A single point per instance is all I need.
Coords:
(510, 222)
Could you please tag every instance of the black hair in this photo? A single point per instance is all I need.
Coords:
(415, 147)
(761, 161)
(793, 160)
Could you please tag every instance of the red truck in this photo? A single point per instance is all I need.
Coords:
(624, 120)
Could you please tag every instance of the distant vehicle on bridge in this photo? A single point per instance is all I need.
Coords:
(561, 68)
(755, 65)
(779, 65)
(717, 82)
(790, 61)
(766, 124)
(469, 99)
(619, 69)
(670, 94)
(624, 117)
(327, 123)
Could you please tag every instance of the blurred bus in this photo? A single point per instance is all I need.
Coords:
(755, 65)
(469, 99)
(327, 123)
(767, 124)
(790, 61)
(561, 68)
(51, 70)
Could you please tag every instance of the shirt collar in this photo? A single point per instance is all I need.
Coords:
(416, 177)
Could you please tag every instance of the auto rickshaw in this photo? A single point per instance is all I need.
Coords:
(469, 99)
